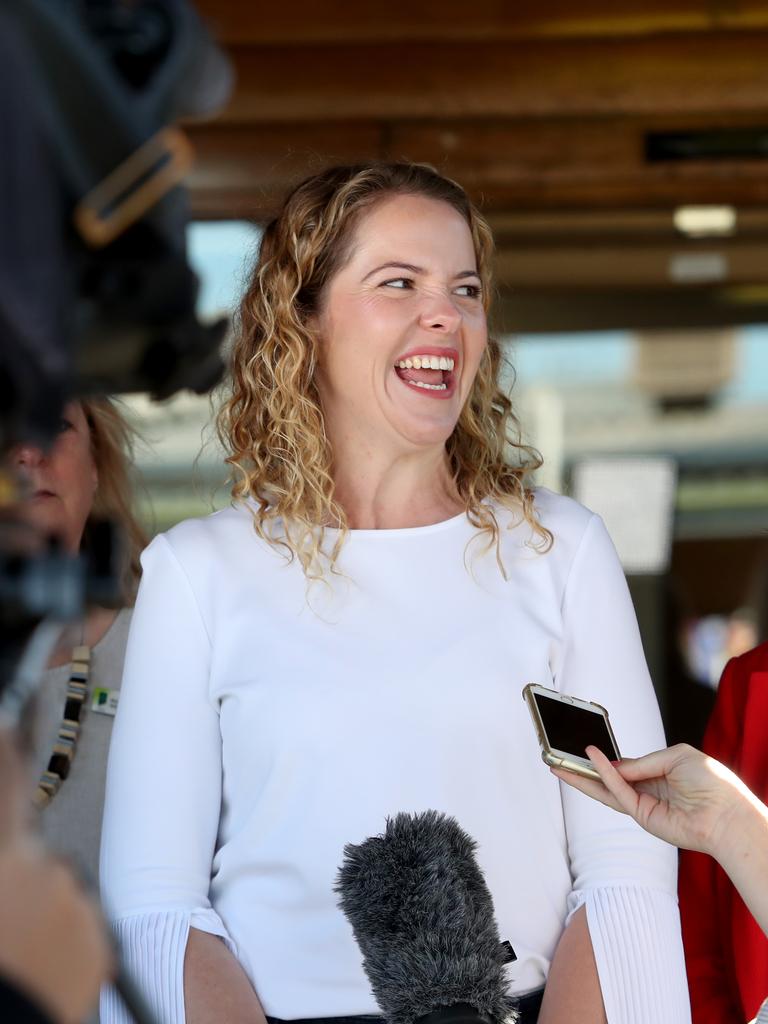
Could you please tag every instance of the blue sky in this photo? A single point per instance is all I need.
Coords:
(222, 251)
(607, 356)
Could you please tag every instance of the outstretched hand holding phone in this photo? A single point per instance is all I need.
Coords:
(690, 800)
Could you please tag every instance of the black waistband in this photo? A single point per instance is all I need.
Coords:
(528, 1006)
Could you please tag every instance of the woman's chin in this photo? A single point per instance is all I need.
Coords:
(43, 514)
(425, 431)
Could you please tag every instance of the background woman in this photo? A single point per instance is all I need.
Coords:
(84, 477)
(351, 640)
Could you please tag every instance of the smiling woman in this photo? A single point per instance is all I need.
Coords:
(336, 647)
(362, 381)
(368, 323)
(366, 268)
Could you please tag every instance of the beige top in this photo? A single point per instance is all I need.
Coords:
(71, 823)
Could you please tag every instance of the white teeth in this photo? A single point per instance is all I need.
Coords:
(428, 387)
(427, 363)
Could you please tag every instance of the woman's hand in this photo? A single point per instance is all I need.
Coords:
(693, 801)
(678, 794)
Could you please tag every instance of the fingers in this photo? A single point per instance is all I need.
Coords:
(590, 787)
(624, 796)
(654, 765)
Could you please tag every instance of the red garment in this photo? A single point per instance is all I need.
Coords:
(726, 953)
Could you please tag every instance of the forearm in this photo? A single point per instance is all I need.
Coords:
(216, 988)
(573, 988)
(743, 854)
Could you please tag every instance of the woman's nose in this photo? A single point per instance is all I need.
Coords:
(440, 314)
(27, 456)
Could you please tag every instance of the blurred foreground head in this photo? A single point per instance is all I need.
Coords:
(88, 92)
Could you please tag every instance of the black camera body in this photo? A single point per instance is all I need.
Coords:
(96, 292)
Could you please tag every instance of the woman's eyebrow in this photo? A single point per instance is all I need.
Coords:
(411, 268)
(396, 265)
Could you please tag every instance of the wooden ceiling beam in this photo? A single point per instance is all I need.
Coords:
(696, 73)
(544, 226)
(547, 310)
(266, 160)
(307, 22)
(589, 163)
(508, 166)
(541, 110)
(611, 264)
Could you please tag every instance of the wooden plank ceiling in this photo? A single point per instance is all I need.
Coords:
(543, 111)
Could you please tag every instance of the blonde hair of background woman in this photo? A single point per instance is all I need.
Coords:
(112, 447)
(271, 424)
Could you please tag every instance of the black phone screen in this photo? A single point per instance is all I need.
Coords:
(573, 729)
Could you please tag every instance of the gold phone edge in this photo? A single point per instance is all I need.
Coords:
(550, 759)
(570, 766)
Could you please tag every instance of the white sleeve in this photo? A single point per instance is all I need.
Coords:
(626, 878)
(163, 795)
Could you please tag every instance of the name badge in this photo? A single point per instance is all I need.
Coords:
(104, 702)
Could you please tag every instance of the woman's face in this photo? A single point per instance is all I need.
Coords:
(402, 327)
(61, 482)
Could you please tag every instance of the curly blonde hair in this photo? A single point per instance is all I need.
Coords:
(271, 424)
(112, 443)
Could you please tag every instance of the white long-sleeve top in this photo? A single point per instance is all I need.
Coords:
(262, 727)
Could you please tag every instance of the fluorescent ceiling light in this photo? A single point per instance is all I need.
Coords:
(705, 221)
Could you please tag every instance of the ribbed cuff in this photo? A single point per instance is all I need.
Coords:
(152, 947)
(638, 949)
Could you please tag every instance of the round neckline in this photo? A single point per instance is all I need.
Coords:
(103, 638)
(99, 643)
(403, 531)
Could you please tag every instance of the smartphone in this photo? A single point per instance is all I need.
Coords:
(566, 726)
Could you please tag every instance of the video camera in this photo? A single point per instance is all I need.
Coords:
(96, 293)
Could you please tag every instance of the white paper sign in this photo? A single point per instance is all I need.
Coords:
(636, 499)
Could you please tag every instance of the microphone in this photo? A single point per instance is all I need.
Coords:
(423, 918)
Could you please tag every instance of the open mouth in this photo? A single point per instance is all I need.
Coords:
(428, 372)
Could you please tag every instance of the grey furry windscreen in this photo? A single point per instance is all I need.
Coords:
(423, 918)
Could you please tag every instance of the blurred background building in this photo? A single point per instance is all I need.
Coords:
(619, 149)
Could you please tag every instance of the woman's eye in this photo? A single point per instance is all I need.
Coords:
(65, 424)
(469, 291)
(398, 282)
